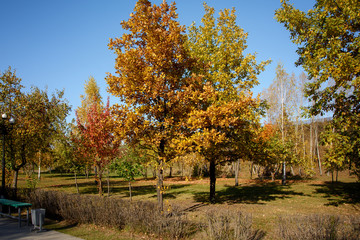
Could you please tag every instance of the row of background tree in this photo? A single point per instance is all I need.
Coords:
(189, 96)
(54, 143)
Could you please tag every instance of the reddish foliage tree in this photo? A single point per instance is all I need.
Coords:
(97, 138)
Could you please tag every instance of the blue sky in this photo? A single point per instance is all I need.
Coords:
(58, 44)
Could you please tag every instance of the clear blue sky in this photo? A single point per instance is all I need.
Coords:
(58, 44)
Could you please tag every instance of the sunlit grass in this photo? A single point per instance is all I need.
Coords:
(265, 201)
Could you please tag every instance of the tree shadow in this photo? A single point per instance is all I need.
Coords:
(338, 193)
(253, 194)
(136, 190)
(54, 225)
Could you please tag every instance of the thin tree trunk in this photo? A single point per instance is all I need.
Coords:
(317, 150)
(237, 169)
(272, 173)
(145, 172)
(182, 170)
(337, 174)
(170, 173)
(39, 171)
(76, 183)
(283, 181)
(311, 145)
(251, 169)
(282, 127)
(96, 175)
(99, 174)
(154, 172)
(108, 183)
(292, 170)
(15, 181)
(303, 140)
(87, 171)
(212, 181)
(130, 191)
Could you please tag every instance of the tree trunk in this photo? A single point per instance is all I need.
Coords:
(303, 140)
(283, 181)
(96, 175)
(337, 174)
(160, 186)
(292, 171)
(99, 174)
(76, 184)
(145, 172)
(130, 191)
(160, 182)
(87, 171)
(251, 169)
(108, 183)
(212, 181)
(154, 172)
(317, 150)
(237, 169)
(311, 145)
(170, 173)
(39, 171)
(15, 181)
(17, 168)
(182, 170)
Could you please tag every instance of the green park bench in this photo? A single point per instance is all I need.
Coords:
(17, 205)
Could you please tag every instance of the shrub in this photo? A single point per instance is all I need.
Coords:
(137, 216)
(231, 226)
(319, 227)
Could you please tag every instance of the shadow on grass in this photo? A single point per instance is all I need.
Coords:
(254, 194)
(136, 190)
(339, 192)
(58, 226)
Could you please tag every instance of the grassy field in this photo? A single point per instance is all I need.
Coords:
(266, 201)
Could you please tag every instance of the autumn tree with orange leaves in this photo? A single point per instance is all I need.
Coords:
(152, 80)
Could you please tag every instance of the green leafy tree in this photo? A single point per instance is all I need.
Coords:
(269, 151)
(128, 167)
(39, 120)
(38, 123)
(328, 39)
(10, 96)
(227, 115)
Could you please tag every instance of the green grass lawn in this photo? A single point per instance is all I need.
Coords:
(265, 201)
